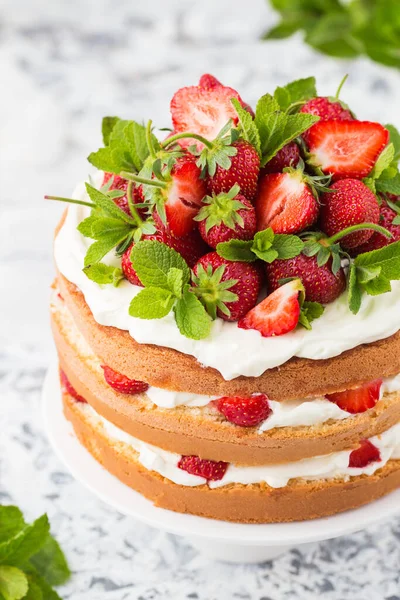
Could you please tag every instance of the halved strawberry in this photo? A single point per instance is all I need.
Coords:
(183, 195)
(278, 314)
(244, 411)
(285, 203)
(326, 110)
(363, 456)
(69, 389)
(359, 399)
(123, 384)
(209, 469)
(204, 111)
(346, 148)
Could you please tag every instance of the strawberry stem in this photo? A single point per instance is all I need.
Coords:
(341, 84)
(143, 180)
(149, 141)
(70, 201)
(360, 227)
(180, 136)
(132, 208)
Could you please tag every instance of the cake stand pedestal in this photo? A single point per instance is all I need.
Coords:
(231, 542)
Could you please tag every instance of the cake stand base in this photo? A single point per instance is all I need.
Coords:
(232, 542)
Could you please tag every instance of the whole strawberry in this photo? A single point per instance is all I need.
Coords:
(386, 218)
(209, 469)
(326, 110)
(245, 412)
(225, 217)
(244, 171)
(288, 156)
(285, 202)
(118, 183)
(123, 384)
(320, 284)
(228, 289)
(191, 247)
(350, 202)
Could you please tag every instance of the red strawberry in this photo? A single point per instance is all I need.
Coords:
(320, 284)
(278, 314)
(191, 247)
(211, 276)
(245, 412)
(346, 148)
(285, 203)
(119, 183)
(288, 156)
(363, 456)
(202, 111)
(351, 203)
(209, 469)
(208, 82)
(326, 110)
(123, 384)
(244, 171)
(226, 217)
(377, 240)
(183, 195)
(359, 399)
(68, 389)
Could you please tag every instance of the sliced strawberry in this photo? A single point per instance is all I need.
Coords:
(69, 389)
(285, 203)
(245, 412)
(184, 196)
(359, 399)
(208, 82)
(202, 111)
(347, 148)
(326, 110)
(123, 384)
(278, 314)
(363, 456)
(209, 469)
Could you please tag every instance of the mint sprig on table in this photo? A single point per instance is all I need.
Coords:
(31, 560)
(166, 278)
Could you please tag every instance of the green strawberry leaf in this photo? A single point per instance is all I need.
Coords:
(191, 316)
(152, 303)
(13, 583)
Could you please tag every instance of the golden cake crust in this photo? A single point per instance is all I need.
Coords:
(247, 504)
(194, 431)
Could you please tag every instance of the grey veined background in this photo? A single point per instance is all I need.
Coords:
(63, 65)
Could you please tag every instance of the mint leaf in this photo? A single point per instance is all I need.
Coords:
(51, 563)
(295, 92)
(25, 543)
(395, 140)
(107, 205)
(388, 185)
(354, 290)
(309, 312)
(85, 226)
(104, 227)
(175, 281)
(278, 129)
(107, 125)
(13, 583)
(262, 245)
(249, 131)
(104, 274)
(34, 591)
(384, 160)
(191, 316)
(38, 582)
(11, 522)
(239, 250)
(387, 258)
(152, 261)
(266, 105)
(99, 249)
(152, 303)
(287, 246)
(378, 285)
(331, 34)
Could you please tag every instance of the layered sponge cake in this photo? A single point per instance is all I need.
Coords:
(226, 309)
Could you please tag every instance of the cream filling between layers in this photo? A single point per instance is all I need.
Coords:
(230, 350)
(330, 466)
(289, 413)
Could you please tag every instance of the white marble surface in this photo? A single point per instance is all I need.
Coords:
(63, 66)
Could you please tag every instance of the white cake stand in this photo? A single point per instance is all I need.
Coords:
(232, 542)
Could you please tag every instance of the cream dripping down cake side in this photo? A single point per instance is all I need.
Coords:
(226, 309)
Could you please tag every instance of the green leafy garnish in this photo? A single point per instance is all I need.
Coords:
(166, 277)
(309, 311)
(266, 245)
(247, 128)
(31, 560)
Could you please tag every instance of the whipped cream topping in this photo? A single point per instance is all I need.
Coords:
(330, 466)
(230, 350)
